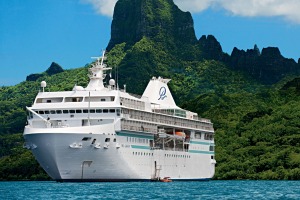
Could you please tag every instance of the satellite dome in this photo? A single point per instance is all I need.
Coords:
(43, 84)
(112, 82)
(78, 88)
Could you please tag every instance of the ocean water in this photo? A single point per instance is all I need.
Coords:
(152, 190)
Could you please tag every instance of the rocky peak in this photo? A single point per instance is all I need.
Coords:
(245, 60)
(269, 66)
(54, 69)
(158, 20)
(272, 53)
(210, 47)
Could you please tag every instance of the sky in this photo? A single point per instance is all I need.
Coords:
(35, 33)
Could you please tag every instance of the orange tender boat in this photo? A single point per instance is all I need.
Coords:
(165, 179)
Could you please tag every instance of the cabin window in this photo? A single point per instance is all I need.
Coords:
(92, 111)
(107, 139)
(78, 111)
(198, 135)
(73, 99)
(118, 112)
(72, 111)
(58, 111)
(102, 99)
(49, 100)
(41, 112)
(65, 111)
(112, 110)
(115, 139)
(77, 99)
(39, 100)
(94, 140)
(211, 148)
(52, 111)
(208, 137)
(98, 111)
(47, 112)
(86, 138)
(85, 111)
(105, 110)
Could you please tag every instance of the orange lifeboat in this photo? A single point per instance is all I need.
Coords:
(180, 133)
(165, 180)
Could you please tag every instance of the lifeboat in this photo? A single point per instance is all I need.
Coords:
(180, 133)
(165, 179)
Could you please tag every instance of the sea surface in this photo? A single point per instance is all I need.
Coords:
(152, 190)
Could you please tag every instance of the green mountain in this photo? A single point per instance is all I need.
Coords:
(251, 96)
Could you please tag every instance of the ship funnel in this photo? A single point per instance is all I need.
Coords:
(158, 93)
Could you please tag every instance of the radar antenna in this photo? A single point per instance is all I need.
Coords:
(97, 73)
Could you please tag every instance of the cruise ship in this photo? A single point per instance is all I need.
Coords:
(103, 133)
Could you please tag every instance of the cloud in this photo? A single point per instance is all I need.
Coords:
(287, 9)
(194, 6)
(103, 7)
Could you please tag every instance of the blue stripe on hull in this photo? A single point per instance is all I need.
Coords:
(202, 152)
(198, 142)
(135, 135)
(140, 147)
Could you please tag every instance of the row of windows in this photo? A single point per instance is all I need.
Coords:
(176, 112)
(166, 155)
(79, 111)
(108, 140)
(142, 154)
(166, 119)
(207, 136)
(177, 156)
(137, 140)
(132, 103)
(211, 148)
(94, 140)
(74, 99)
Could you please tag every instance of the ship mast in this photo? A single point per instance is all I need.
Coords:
(97, 74)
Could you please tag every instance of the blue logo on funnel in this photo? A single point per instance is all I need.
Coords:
(162, 93)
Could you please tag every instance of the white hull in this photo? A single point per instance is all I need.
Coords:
(110, 161)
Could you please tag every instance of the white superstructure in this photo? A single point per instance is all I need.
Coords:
(101, 133)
